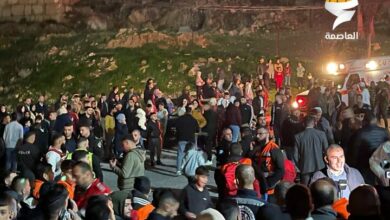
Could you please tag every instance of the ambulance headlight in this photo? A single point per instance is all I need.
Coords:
(372, 65)
(332, 68)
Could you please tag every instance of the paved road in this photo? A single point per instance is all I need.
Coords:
(160, 176)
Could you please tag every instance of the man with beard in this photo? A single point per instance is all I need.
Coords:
(267, 159)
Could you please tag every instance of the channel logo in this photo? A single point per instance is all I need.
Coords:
(339, 8)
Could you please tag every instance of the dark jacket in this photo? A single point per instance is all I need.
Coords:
(208, 91)
(193, 200)
(223, 152)
(272, 211)
(104, 108)
(27, 156)
(246, 113)
(70, 144)
(155, 216)
(131, 119)
(258, 104)
(212, 122)
(95, 146)
(323, 125)
(153, 130)
(41, 108)
(291, 126)
(366, 141)
(310, 146)
(61, 121)
(247, 199)
(324, 213)
(121, 131)
(278, 114)
(186, 127)
(233, 115)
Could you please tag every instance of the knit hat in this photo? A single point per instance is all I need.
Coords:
(142, 184)
(121, 117)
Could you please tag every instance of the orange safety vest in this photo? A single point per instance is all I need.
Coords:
(37, 186)
(69, 187)
(265, 158)
(143, 212)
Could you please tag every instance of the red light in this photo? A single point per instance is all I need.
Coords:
(300, 101)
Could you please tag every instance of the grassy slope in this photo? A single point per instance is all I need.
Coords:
(49, 71)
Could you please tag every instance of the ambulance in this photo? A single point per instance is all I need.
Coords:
(352, 72)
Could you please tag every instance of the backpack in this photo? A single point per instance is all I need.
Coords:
(228, 171)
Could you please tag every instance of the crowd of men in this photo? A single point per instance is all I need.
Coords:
(270, 159)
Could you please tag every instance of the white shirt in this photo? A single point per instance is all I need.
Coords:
(54, 159)
(366, 96)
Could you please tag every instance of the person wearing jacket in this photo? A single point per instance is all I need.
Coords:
(186, 127)
(378, 160)
(322, 124)
(140, 201)
(211, 117)
(247, 113)
(291, 126)
(309, 149)
(95, 145)
(28, 155)
(323, 193)
(268, 159)
(279, 112)
(193, 158)
(82, 154)
(63, 118)
(121, 131)
(132, 165)
(197, 114)
(154, 138)
(233, 119)
(195, 197)
(337, 170)
(366, 141)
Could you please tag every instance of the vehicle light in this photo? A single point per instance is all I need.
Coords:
(332, 68)
(300, 101)
(372, 65)
(295, 105)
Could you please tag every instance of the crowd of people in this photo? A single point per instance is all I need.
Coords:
(270, 159)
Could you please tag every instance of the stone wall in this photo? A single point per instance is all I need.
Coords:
(34, 10)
